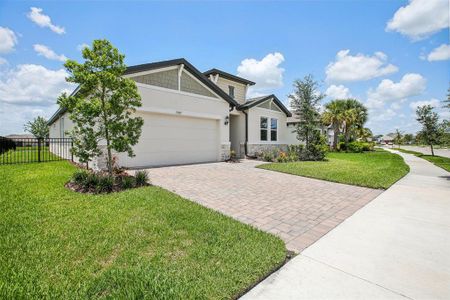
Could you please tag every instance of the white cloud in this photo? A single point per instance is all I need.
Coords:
(3, 61)
(433, 102)
(411, 84)
(31, 84)
(42, 20)
(358, 67)
(80, 47)
(48, 53)
(266, 73)
(338, 92)
(8, 40)
(420, 18)
(13, 117)
(440, 53)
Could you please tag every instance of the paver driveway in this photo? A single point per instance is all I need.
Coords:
(298, 209)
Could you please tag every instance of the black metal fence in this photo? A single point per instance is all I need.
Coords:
(28, 150)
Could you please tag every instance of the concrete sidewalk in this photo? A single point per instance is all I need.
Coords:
(397, 246)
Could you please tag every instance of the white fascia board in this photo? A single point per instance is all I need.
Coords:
(184, 113)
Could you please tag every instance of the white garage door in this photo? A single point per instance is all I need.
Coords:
(172, 140)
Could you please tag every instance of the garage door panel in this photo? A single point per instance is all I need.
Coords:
(170, 140)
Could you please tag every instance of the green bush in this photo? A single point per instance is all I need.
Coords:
(355, 147)
(127, 182)
(91, 181)
(80, 176)
(316, 148)
(358, 147)
(269, 155)
(141, 177)
(105, 184)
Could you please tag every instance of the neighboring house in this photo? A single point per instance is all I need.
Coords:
(193, 117)
(292, 133)
(387, 139)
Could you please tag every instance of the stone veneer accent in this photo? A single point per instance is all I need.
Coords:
(224, 152)
(253, 149)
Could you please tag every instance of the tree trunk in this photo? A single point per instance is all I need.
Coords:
(432, 151)
(108, 148)
(335, 137)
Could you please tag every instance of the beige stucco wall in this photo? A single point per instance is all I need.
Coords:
(240, 89)
(55, 128)
(172, 103)
(291, 137)
(237, 132)
(254, 116)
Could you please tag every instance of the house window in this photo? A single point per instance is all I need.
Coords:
(273, 129)
(263, 129)
(231, 91)
(61, 128)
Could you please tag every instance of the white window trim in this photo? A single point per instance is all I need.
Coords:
(267, 129)
(271, 129)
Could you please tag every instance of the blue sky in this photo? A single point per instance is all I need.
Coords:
(391, 55)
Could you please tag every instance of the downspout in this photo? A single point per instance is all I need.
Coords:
(246, 132)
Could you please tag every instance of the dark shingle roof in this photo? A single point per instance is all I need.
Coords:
(228, 76)
(161, 64)
(258, 100)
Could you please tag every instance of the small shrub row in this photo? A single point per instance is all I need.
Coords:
(356, 147)
(295, 153)
(98, 182)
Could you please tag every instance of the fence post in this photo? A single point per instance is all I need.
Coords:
(39, 150)
(71, 147)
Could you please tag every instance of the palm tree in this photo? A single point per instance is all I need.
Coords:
(365, 134)
(355, 116)
(333, 115)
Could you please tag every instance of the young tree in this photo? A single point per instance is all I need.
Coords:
(408, 138)
(38, 127)
(305, 103)
(398, 137)
(102, 108)
(430, 127)
(447, 101)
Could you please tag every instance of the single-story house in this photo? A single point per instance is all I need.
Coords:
(193, 117)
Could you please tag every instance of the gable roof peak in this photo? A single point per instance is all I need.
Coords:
(228, 76)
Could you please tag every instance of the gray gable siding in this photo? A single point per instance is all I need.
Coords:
(165, 79)
(190, 85)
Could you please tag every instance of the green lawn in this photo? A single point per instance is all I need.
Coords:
(27, 154)
(141, 243)
(440, 161)
(377, 169)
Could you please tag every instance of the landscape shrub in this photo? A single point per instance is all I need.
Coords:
(86, 181)
(269, 155)
(316, 149)
(105, 184)
(141, 178)
(91, 181)
(355, 147)
(127, 182)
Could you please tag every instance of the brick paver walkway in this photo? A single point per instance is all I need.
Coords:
(297, 209)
